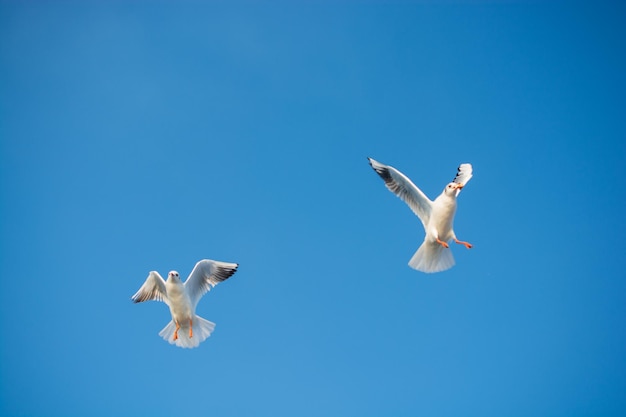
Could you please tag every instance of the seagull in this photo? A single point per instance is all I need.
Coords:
(182, 299)
(437, 216)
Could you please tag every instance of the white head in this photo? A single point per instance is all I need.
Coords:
(453, 189)
(173, 275)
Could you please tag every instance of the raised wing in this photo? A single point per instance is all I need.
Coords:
(152, 289)
(463, 174)
(401, 186)
(206, 275)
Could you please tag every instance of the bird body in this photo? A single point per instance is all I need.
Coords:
(186, 329)
(436, 216)
(442, 217)
(180, 304)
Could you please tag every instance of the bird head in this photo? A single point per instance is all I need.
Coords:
(173, 275)
(453, 189)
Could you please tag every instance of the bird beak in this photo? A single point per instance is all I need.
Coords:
(459, 186)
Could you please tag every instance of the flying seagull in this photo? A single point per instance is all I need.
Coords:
(186, 329)
(437, 216)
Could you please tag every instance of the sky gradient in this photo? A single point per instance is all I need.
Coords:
(138, 137)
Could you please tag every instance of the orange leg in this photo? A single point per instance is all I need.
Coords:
(176, 331)
(190, 328)
(442, 243)
(460, 242)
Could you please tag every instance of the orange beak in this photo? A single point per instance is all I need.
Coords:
(459, 186)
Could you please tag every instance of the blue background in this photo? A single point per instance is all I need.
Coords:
(142, 136)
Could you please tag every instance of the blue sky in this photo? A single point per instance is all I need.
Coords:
(138, 137)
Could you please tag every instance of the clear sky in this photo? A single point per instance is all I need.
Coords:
(138, 137)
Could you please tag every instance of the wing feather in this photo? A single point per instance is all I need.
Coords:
(206, 275)
(463, 174)
(401, 185)
(152, 289)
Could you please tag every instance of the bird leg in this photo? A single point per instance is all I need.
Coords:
(190, 328)
(442, 243)
(176, 331)
(460, 242)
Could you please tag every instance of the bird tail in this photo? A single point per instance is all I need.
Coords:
(432, 257)
(201, 330)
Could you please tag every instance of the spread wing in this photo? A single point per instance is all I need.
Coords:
(206, 275)
(401, 186)
(152, 289)
(463, 174)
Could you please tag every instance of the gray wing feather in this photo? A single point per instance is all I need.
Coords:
(401, 185)
(206, 275)
(152, 289)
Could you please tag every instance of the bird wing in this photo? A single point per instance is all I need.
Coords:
(401, 185)
(152, 289)
(206, 275)
(463, 174)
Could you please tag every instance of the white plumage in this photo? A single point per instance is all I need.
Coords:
(186, 329)
(437, 216)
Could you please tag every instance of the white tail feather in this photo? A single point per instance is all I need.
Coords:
(432, 257)
(201, 330)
